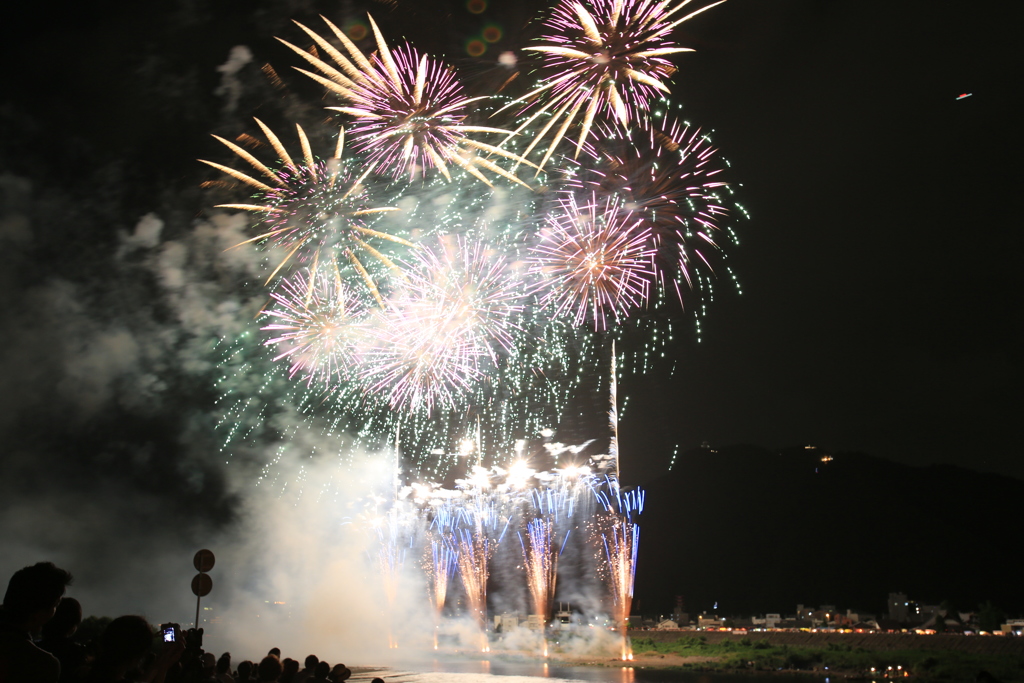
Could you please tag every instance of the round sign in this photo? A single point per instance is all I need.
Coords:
(203, 561)
(202, 584)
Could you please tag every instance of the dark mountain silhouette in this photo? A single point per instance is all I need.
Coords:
(760, 531)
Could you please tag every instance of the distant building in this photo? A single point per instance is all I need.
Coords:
(769, 621)
(1015, 626)
(795, 623)
(899, 607)
(503, 623)
(679, 614)
(925, 613)
(856, 619)
(704, 621)
(826, 614)
(667, 625)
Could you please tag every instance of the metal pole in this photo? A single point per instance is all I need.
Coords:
(613, 415)
(197, 611)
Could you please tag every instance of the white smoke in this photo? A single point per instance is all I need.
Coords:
(146, 235)
(231, 87)
(293, 571)
(126, 514)
(15, 200)
(299, 573)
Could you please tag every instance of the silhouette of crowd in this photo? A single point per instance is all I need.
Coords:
(37, 625)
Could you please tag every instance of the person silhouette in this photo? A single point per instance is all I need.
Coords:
(31, 600)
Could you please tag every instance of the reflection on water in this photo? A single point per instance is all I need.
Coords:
(524, 671)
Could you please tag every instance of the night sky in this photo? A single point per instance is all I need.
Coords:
(879, 270)
(880, 296)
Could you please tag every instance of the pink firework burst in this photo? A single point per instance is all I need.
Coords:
(409, 109)
(670, 177)
(317, 323)
(594, 260)
(456, 312)
(603, 57)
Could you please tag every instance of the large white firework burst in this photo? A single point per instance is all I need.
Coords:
(452, 320)
(473, 291)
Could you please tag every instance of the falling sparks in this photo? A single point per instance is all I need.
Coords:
(619, 535)
(390, 558)
(439, 567)
(474, 555)
(620, 540)
(491, 515)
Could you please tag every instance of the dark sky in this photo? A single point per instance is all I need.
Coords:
(880, 288)
(879, 270)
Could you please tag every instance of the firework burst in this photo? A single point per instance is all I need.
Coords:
(453, 320)
(453, 340)
(317, 321)
(668, 176)
(314, 209)
(594, 260)
(603, 58)
(473, 291)
(414, 369)
(410, 111)
(480, 335)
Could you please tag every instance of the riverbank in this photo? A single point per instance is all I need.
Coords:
(996, 645)
(924, 658)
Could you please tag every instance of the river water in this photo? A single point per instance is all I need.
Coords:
(505, 671)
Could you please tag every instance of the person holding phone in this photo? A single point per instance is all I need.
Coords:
(125, 643)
